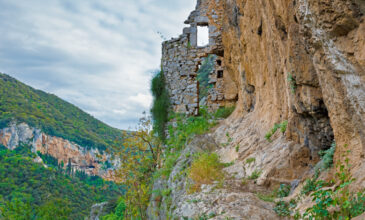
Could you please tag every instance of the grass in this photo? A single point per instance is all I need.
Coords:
(169, 164)
(282, 127)
(250, 160)
(228, 164)
(205, 169)
(266, 197)
(255, 175)
(187, 127)
(224, 112)
(282, 191)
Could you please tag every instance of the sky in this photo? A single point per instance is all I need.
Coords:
(97, 55)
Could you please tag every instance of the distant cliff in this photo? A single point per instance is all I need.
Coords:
(91, 161)
(56, 128)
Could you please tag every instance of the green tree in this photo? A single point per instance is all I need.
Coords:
(161, 104)
(54, 209)
(139, 161)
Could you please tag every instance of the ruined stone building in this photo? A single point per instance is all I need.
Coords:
(182, 57)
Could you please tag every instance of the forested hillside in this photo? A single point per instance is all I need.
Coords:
(53, 115)
(28, 190)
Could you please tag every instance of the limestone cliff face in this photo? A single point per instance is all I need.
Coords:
(301, 61)
(304, 61)
(91, 161)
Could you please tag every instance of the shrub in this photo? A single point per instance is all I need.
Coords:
(282, 208)
(283, 190)
(282, 127)
(292, 83)
(205, 169)
(224, 112)
(339, 202)
(326, 158)
(312, 185)
(228, 164)
(250, 160)
(255, 174)
(169, 164)
(161, 104)
(119, 212)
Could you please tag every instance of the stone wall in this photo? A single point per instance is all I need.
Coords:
(181, 58)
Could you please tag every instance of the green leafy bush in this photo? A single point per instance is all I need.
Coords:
(337, 202)
(161, 104)
(282, 208)
(282, 127)
(312, 185)
(250, 160)
(118, 213)
(255, 175)
(292, 83)
(326, 158)
(169, 163)
(283, 190)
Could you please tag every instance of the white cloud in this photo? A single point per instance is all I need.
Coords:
(98, 55)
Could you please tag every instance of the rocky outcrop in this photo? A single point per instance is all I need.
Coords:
(97, 210)
(300, 61)
(230, 200)
(89, 160)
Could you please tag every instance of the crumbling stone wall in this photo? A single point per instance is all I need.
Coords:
(181, 58)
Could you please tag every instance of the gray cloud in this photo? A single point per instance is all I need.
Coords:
(98, 55)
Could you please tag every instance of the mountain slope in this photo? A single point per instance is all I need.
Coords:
(53, 116)
(28, 190)
(52, 159)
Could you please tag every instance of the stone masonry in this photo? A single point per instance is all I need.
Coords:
(181, 58)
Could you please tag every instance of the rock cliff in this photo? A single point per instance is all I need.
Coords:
(92, 161)
(295, 61)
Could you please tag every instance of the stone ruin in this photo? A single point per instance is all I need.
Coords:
(182, 57)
